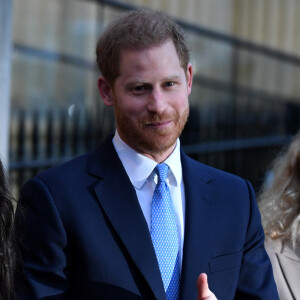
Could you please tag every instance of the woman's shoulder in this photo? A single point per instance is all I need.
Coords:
(284, 248)
(273, 246)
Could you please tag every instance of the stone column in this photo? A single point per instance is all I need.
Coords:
(5, 75)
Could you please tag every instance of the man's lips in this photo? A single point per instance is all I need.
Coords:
(159, 123)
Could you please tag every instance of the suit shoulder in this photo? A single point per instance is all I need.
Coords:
(70, 168)
(212, 172)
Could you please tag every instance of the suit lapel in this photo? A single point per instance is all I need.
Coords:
(118, 199)
(198, 226)
(290, 266)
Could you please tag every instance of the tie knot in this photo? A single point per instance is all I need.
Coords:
(162, 172)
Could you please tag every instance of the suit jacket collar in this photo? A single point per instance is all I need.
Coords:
(117, 197)
(118, 200)
(198, 224)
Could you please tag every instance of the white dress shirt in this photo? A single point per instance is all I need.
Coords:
(140, 170)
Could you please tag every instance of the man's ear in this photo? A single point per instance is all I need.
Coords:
(189, 77)
(105, 91)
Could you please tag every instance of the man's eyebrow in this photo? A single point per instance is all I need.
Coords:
(173, 77)
(136, 82)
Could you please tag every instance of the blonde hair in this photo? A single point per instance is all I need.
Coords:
(279, 202)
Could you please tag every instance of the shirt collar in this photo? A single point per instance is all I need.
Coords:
(139, 167)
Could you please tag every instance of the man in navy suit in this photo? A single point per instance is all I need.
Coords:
(87, 223)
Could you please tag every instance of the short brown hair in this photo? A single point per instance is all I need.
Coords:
(138, 29)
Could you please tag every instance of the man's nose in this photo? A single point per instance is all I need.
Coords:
(157, 102)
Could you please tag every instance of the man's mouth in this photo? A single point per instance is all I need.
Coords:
(159, 123)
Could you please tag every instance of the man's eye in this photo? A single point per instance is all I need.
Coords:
(139, 89)
(169, 83)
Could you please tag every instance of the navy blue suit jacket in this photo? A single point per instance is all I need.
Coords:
(86, 236)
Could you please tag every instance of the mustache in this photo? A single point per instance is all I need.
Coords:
(160, 118)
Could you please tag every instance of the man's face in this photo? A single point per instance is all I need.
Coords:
(150, 98)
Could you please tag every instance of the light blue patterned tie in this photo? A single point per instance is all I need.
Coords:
(164, 234)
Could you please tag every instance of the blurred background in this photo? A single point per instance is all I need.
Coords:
(244, 104)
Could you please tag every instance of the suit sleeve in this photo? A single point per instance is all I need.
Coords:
(256, 279)
(43, 244)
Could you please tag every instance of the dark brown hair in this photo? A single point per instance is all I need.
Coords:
(138, 29)
(7, 240)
